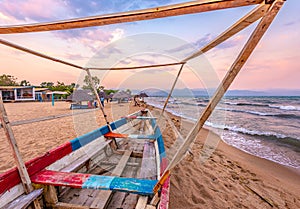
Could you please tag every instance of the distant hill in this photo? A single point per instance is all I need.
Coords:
(203, 92)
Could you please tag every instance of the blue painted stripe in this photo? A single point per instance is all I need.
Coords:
(104, 130)
(161, 147)
(120, 184)
(119, 123)
(98, 182)
(141, 136)
(132, 185)
(85, 139)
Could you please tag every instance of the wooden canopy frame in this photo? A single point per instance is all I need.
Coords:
(265, 11)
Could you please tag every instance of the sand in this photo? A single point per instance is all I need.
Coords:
(212, 176)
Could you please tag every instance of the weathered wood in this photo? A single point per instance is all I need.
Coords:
(228, 79)
(50, 195)
(11, 194)
(145, 14)
(142, 202)
(24, 201)
(115, 163)
(61, 205)
(133, 154)
(150, 207)
(148, 170)
(103, 197)
(241, 24)
(25, 179)
(148, 167)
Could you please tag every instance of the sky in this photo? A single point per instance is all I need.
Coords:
(273, 65)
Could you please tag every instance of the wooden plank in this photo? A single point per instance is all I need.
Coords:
(142, 202)
(148, 167)
(22, 171)
(103, 197)
(24, 200)
(133, 154)
(228, 79)
(61, 205)
(138, 15)
(148, 170)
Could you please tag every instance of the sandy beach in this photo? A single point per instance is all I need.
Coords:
(212, 176)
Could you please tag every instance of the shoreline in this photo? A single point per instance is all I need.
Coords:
(214, 131)
(248, 180)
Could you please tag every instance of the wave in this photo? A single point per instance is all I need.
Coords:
(246, 104)
(285, 107)
(268, 135)
(280, 115)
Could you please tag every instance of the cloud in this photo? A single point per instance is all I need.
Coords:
(34, 10)
(94, 39)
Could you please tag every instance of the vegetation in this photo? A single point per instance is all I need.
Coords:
(8, 80)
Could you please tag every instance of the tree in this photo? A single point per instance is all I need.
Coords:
(46, 84)
(8, 80)
(25, 83)
(96, 82)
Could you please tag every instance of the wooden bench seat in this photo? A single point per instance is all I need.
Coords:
(89, 181)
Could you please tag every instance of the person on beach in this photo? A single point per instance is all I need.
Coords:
(102, 101)
(135, 100)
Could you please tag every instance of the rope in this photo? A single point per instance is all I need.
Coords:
(137, 67)
(21, 48)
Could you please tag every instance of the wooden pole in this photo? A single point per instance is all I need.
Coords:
(138, 15)
(18, 159)
(224, 85)
(169, 95)
(98, 98)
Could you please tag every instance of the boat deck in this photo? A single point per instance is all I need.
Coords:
(128, 164)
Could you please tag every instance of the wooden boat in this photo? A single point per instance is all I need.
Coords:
(97, 170)
(76, 164)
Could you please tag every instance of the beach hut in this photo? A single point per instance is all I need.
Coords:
(81, 99)
(121, 96)
(17, 93)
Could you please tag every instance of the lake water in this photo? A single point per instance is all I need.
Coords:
(268, 127)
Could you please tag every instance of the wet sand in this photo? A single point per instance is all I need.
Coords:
(213, 175)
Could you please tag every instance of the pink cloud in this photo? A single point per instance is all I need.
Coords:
(94, 39)
(33, 10)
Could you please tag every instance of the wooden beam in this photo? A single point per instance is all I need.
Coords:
(241, 24)
(103, 197)
(25, 179)
(138, 15)
(227, 80)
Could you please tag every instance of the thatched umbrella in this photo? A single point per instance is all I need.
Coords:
(121, 95)
(143, 94)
